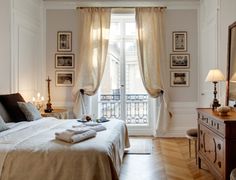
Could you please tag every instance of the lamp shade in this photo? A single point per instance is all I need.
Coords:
(215, 75)
(233, 78)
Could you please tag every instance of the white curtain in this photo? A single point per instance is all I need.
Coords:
(94, 24)
(152, 61)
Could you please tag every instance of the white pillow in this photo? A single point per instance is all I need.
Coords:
(3, 125)
(30, 111)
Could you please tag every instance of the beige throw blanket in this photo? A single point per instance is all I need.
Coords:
(30, 152)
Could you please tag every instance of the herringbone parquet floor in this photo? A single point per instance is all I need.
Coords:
(169, 160)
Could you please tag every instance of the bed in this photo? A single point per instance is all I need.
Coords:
(29, 151)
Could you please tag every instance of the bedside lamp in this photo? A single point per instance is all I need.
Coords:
(215, 75)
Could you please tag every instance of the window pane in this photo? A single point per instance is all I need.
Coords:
(115, 29)
(130, 29)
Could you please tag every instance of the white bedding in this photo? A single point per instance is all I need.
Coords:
(28, 150)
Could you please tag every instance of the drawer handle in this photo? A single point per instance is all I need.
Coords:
(219, 146)
(219, 164)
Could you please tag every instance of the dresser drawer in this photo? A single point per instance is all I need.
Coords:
(211, 146)
(213, 124)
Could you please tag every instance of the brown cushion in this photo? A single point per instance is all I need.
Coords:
(9, 101)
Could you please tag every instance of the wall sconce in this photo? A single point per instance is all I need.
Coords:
(215, 75)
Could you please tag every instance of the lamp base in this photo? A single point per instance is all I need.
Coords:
(215, 104)
(48, 108)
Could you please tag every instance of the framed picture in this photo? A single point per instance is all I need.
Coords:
(179, 78)
(64, 61)
(179, 41)
(64, 78)
(64, 41)
(179, 61)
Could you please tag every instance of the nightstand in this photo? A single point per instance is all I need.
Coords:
(57, 113)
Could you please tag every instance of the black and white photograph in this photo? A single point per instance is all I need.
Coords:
(64, 78)
(64, 41)
(64, 61)
(179, 78)
(179, 41)
(179, 61)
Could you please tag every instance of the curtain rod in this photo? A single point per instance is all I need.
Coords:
(161, 7)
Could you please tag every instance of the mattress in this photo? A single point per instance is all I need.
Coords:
(29, 151)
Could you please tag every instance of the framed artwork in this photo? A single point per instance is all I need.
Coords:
(179, 41)
(179, 61)
(64, 78)
(64, 41)
(179, 78)
(64, 61)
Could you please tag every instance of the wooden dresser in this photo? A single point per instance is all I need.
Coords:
(217, 142)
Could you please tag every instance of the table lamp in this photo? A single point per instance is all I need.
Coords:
(215, 75)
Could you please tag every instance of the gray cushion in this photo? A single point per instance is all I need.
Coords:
(30, 111)
(3, 125)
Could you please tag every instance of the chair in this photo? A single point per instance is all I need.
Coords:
(191, 134)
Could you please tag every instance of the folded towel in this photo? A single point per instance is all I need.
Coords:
(78, 130)
(96, 128)
(77, 137)
(91, 124)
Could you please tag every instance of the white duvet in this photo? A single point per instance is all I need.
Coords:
(28, 150)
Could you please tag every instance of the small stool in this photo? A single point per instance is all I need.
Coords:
(191, 134)
(233, 174)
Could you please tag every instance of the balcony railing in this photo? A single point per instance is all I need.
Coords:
(136, 107)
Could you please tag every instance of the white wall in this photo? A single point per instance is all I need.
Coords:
(60, 20)
(216, 16)
(184, 20)
(5, 50)
(27, 62)
(21, 48)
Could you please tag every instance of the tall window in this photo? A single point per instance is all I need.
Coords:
(122, 94)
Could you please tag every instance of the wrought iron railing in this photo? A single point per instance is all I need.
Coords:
(136, 107)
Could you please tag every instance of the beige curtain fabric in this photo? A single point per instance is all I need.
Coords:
(152, 60)
(94, 24)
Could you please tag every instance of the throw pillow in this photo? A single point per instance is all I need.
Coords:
(9, 101)
(3, 125)
(30, 111)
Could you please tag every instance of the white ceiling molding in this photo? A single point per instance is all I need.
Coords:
(181, 4)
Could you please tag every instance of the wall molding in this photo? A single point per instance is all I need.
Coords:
(184, 4)
(184, 118)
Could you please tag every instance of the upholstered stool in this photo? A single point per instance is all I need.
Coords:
(233, 174)
(191, 134)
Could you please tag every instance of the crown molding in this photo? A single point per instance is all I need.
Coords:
(182, 4)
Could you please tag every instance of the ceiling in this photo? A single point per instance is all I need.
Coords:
(124, 1)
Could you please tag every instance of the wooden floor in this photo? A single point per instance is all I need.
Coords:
(169, 160)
